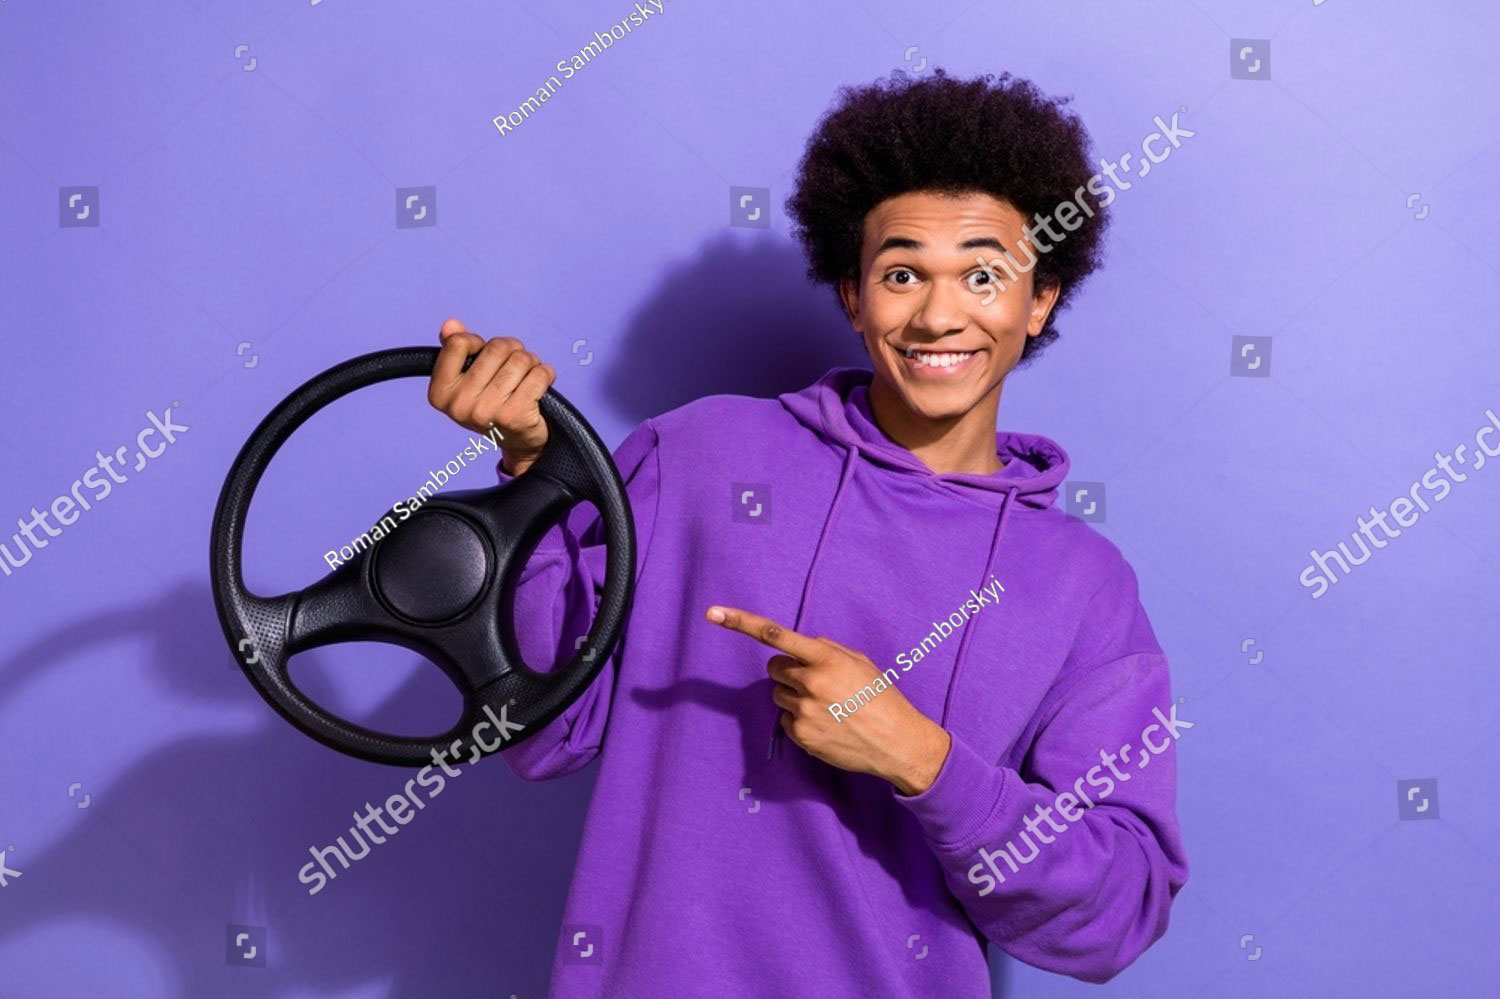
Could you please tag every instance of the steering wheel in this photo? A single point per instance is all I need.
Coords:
(435, 584)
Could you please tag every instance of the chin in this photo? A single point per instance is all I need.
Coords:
(945, 405)
(934, 400)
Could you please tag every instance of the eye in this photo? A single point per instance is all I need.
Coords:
(896, 273)
(979, 279)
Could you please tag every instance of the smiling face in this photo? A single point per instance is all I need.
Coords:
(941, 337)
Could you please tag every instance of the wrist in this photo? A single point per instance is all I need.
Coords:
(925, 762)
(513, 464)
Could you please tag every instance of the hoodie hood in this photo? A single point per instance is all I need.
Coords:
(837, 408)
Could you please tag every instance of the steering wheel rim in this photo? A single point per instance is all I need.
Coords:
(433, 585)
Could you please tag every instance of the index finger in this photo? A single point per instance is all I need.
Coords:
(768, 632)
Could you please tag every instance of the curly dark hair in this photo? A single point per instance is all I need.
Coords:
(998, 135)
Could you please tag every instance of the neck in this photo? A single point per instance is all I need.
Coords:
(959, 445)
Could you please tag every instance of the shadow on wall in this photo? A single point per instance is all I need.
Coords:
(741, 317)
(212, 830)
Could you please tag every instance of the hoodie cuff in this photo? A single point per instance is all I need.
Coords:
(966, 792)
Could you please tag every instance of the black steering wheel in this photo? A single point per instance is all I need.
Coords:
(435, 584)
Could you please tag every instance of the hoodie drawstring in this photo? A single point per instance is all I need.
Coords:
(833, 509)
(989, 564)
(851, 453)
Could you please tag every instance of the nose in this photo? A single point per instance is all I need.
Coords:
(942, 310)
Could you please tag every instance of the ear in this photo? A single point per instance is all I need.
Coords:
(1042, 301)
(849, 295)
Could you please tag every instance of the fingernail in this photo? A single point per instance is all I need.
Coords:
(716, 614)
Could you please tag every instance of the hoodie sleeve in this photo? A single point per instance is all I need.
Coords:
(1070, 860)
(556, 598)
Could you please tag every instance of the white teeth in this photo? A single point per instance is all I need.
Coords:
(942, 360)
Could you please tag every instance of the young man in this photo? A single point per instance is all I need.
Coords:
(878, 700)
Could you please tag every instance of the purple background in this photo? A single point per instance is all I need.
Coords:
(258, 206)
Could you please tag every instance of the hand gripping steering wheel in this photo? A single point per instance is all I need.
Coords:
(435, 584)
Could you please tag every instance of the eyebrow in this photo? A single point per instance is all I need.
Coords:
(906, 243)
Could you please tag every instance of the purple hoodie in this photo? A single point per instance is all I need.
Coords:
(720, 861)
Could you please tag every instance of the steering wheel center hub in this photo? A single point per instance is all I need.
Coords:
(432, 567)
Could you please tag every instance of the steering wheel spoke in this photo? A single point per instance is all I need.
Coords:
(518, 513)
(337, 608)
(567, 466)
